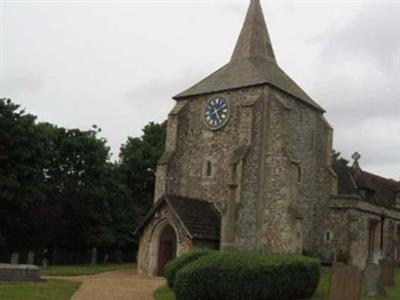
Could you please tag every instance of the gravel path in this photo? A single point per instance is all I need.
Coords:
(119, 285)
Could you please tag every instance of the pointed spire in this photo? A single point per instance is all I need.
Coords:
(254, 40)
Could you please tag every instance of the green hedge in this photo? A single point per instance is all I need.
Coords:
(172, 268)
(250, 276)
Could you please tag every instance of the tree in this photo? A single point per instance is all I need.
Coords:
(58, 188)
(138, 162)
(21, 178)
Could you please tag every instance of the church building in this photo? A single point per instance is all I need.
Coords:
(249, 166)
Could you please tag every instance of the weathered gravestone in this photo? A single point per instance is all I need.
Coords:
(118, 256)
(9, 272)
(374, 280)
(45, 263)
(14, 258)
(31, 258)
(345, 283)
(94, 256)
(388, 268)
(106, 258)
(45, 259)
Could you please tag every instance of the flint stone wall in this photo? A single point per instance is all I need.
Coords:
(276, 212)
(349, 221)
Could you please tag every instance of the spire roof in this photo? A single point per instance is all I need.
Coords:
(253, 63)
(254, 40)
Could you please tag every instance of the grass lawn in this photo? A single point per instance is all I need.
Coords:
(164, 293)
(45, 290)
(55, 289)
(76, 270)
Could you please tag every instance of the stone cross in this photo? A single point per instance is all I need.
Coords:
(31, 258)
(345, 283)
(374, 280)
(388, 268)
(356, 157)
(14, 258)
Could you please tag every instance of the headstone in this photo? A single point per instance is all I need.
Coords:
(388, 268)
(374, 280)
(31, 258)
(45, 259)
(10, 272)
(106, 258)
(45, 263)
(377, 257)
(345, 283)
(14, 258)
(94, 256)
(118, 256)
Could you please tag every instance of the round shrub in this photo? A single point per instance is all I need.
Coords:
(177, 264)
(250, 276)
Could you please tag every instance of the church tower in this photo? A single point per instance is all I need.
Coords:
(247, 161)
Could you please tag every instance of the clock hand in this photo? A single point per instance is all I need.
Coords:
(218, 110)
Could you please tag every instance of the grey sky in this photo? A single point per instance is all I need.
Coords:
(118, 63)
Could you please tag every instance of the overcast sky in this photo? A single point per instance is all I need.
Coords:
(118, 63)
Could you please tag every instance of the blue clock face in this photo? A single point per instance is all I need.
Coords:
(217, 112)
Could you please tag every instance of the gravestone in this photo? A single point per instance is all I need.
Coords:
(45, 263)
(388, 269)
(94, 256)
(118, 256)
(106, 258)
(374, 280)
(14, 258)
(345, 283)
(31, 258)
(9, 272)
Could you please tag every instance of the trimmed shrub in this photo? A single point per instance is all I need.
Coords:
(172, 268)
(250, 276)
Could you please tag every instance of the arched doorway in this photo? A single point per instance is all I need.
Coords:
(167, 248)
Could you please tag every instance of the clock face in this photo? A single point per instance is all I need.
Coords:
(217, 112)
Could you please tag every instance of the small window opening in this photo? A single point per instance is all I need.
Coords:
(209, 169)
(299, 174)
(328, 236)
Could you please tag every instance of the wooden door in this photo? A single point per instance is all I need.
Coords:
(166, 255)
(167, 248)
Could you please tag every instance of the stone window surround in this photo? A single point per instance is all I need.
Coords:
(328, 236)
(209, 168)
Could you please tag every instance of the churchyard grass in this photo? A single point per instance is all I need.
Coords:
(44, 290)
(77, 270)
(164, 293)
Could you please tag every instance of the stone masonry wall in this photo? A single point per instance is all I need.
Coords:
(149, 242)
(299, 179)
(349, 221)
(197, 144)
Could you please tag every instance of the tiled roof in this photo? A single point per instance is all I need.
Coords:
(373, 188)
(199, 217)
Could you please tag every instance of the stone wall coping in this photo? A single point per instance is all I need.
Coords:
(355, 202)
(18, 267)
